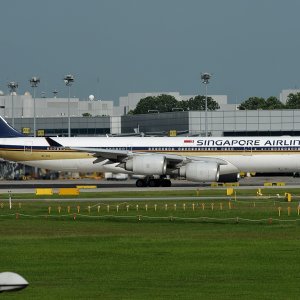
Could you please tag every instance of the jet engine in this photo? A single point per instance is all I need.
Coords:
(147, 165)
(232, 177)
(200, 171)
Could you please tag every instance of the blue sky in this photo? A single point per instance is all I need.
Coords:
(114, 47)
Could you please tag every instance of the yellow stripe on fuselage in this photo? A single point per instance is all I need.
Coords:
(21, 155)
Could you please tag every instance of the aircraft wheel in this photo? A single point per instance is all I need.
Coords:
(166, 183)
(140, 183)
(158, 182)
(153, 183)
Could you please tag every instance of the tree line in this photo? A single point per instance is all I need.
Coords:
(167, 103)
(254, 103)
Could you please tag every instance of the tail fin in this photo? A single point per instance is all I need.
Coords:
(6, 131)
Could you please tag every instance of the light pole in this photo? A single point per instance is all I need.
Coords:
(12, 88)
(34, 81)
(69, 79)
(205, 79)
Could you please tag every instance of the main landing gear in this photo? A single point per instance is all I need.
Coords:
(152, 182)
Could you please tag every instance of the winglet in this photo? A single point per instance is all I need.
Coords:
(7, 131)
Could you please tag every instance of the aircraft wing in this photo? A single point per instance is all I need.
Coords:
(113, 155)
(122, 155)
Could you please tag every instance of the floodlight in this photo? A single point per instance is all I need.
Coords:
(205, 79)
(69, 79)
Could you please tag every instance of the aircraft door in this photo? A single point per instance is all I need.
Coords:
(28, 148)
(129, 148)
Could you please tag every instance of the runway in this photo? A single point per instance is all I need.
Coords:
(129, 185)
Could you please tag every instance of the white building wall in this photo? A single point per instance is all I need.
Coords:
(28, 107)
(51, 107)
(244, 120)
(115, 125)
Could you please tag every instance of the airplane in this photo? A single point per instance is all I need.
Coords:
(154, 160)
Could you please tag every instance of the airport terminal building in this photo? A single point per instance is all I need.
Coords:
(95, 118)
(219, 123)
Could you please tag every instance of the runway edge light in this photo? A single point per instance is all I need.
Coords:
(10, 281)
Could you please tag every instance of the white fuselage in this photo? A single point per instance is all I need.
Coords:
(247, 154)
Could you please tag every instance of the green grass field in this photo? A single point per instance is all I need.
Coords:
(167, 254)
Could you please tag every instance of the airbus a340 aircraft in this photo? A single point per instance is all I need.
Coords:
(154, 159)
